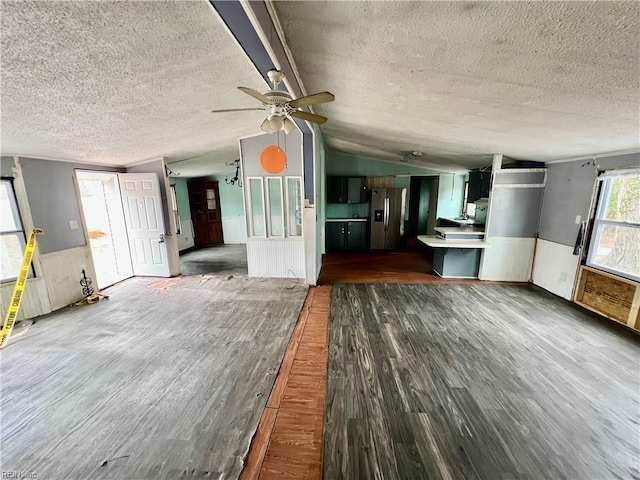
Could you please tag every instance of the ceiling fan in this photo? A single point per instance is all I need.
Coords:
(281, 106)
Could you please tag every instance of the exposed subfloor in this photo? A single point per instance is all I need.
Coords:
(477, 381)
(217, 259)
(166, 379)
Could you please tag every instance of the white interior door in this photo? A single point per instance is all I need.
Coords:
(143, 215)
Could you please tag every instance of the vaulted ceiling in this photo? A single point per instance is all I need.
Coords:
(120, 82)
(462, 80)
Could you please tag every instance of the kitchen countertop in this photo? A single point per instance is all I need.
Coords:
(435, 242)
(460, 230)
(469, 222)
(358, 219)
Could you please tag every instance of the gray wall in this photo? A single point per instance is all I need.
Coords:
(252, 147)
(569, 191)
(515, 212)
(6, 166)
(53, 200)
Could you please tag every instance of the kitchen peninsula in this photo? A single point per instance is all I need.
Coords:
(457, 251)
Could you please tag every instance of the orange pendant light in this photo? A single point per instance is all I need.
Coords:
(273, 159)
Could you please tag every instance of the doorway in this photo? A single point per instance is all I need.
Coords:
(423, 200)
(106, 228)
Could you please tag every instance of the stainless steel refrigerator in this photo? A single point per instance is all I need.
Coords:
(387, 217)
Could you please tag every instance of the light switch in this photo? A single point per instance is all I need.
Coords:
(578, 219)
(73, 224)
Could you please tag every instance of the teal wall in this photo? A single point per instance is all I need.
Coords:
(338, 163)
(182, 196)
(450, 195)
(230, 196)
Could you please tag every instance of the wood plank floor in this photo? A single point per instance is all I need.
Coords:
(477, 381)
(215, 260)
(166, 379)
(288, 443)
(412, 265)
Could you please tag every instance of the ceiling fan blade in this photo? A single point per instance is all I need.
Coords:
(322, 97)
(255, 94)
(237, 110)
(309, 117)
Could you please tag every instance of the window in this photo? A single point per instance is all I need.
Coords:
(174, 206)
(12, 238)
(276, 219)
(615, 241)
(294, 206)
(256, 206)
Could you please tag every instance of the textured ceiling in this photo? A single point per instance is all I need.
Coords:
(463, 80)
(119, 82)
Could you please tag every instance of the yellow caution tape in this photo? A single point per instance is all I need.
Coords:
(18, 289)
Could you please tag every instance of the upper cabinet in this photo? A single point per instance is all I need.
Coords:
(479, 183)
(346, 190)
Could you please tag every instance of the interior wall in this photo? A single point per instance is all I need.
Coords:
(277, 256)
(234, 228)
(450, 195)
(6, 166)
(321, 195)
(48, 198)
(185, 238)
(338, 163)
(54, 203)
(569, 192)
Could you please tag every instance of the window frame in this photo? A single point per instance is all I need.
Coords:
(290, 196)
(251, 232)
(174, 205)
(598, 222)
(269, 213)
(21, 233)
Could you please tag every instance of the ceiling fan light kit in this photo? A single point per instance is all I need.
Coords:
(281, 107)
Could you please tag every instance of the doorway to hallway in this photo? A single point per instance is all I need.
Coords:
(106, 228)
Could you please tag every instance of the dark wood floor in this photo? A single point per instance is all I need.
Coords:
(477, 381)
(215, 260)
(411, 265)
(167, 379)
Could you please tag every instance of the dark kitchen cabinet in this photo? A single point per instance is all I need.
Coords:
(356, 235)
(479, 183)
(356, 190)
(346, 190)
(336, 190)
(335, 235)
(346, 236)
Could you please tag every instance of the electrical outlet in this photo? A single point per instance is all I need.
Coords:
(73, 224)
(578, 219)
(563, 277)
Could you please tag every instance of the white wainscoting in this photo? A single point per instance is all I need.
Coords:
(62, 272)
(234, 230)
(185, 237)
(555, 268)
(276, 257)
(507, 259)
(35, 301)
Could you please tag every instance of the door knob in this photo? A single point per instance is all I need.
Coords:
(161, 238)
